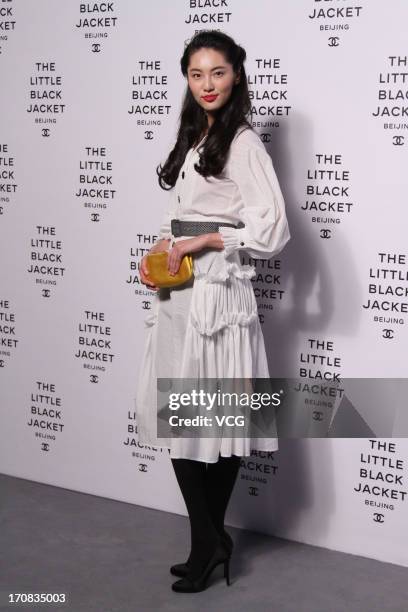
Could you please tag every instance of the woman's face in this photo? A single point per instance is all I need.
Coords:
(211, 79)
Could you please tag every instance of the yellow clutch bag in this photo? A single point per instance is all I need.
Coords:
(159, 274)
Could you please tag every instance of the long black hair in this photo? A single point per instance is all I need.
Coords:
(193, 120)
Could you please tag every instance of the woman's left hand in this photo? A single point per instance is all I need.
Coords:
(182, 247)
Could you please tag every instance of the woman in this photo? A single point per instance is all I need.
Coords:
(220, 172)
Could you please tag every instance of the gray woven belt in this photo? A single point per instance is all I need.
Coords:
(194, 228)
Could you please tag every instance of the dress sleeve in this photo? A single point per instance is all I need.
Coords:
(266, 229)
(170, 213)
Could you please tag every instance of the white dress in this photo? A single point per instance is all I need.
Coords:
(209, 327)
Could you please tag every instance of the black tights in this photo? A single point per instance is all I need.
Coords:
(206, 489)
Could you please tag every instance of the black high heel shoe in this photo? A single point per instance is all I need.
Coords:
(181, 569)
(186, 585)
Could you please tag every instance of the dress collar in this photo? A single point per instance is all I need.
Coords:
(202, 140)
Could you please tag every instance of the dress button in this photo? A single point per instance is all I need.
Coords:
(242, 243)
(182, 174)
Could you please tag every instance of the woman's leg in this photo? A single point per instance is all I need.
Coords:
(190, 476)
(220, 479)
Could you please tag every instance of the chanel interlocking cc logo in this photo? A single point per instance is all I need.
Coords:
(45, 132)
(378, 518)
(96, 47)
(388, 333)
(398, 141)
(146, 305)
(148, 135)
(334, 41)
(1, 363)
(253, 491)
(317, 415)
(93, 378)
(46, 293)
(325, 233)
(45, 446)
(95, 217)
(265, 137)
(261, 317)
(143, 467)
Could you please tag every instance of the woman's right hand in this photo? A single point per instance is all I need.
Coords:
(161, 245)
(144, 274)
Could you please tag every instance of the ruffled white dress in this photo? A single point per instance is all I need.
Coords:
(209, 327)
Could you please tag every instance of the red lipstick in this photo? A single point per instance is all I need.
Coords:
(210, 98)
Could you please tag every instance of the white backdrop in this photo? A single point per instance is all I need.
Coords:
(90, 99)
